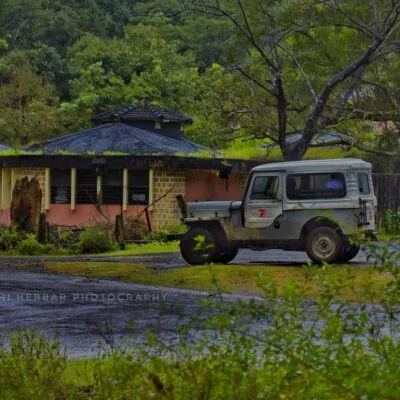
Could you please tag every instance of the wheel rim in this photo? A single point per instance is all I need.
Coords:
(323, 245)
(202, 250)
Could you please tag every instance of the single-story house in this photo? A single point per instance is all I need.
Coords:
(133, 157)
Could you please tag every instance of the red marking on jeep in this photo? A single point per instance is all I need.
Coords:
(262, 212)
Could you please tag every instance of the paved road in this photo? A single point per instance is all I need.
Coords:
(76, 310)
(175, 260)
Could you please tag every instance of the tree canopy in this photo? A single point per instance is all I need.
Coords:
(263, 69)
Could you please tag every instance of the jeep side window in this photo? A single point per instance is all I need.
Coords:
(264, 187)
(363, 183)
(315, 186)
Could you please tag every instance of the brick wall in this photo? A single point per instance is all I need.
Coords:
(166, 211)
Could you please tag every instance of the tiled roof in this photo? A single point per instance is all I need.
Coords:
(119, 138)
(137, 112)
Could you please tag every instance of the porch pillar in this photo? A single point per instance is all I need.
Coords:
(73, 188)
(125, 190)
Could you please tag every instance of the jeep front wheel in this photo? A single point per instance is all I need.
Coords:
(349, 251)
(198, 246)
(324, 244)
(229, 255)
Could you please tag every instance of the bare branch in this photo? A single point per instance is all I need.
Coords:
(218, 10)
(257, 82)
(301, 70)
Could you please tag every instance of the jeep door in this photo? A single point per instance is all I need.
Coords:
(263, 201)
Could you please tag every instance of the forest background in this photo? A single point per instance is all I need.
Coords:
(251, 73)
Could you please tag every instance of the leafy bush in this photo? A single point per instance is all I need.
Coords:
(391, 222)
(30, 246)
(10, 238)
(62, 237)
(167, 234)
(31, 364)
(95, 239)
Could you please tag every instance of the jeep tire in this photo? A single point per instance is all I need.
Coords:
(324, 244)
(228, 255)
(199, 246)
(349, 251)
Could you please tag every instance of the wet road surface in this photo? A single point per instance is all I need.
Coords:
(175, 260)
(77, 310)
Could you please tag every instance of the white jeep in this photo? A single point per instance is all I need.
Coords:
(318, 206)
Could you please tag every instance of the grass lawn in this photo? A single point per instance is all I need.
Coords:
(357, 284)
(134, 249)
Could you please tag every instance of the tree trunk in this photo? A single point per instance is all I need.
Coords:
(26, 205)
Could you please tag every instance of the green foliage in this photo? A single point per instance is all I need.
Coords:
(31, 365)
(277, 347)
(28, 105)
(167, 234)
(95, 239)
(30, 246)
(10, 238)
(98, 55)
(391, 222)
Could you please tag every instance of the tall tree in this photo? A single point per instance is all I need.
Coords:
(305, 61)
(28, 108)
(140, 66)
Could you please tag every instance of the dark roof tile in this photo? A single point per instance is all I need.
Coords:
(119, 138)
(137, 112)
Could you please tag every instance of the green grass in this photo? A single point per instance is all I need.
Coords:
(387, 237)
(134, 249)
(358, 284)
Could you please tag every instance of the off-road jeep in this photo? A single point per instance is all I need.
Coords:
(320, 206)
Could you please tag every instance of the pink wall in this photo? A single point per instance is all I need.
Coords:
(61, 214)
(5, 218)
(206, 185)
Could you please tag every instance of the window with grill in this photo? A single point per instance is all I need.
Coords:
(86, 186)
(112, 188)
(138, 187)
(60, 192)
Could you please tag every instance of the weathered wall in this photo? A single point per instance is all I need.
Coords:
(205, 185)
(84, 214)
(166, 211)
(387, 192)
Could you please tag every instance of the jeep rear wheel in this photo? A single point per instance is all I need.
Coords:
(324, 243)
(198, 246)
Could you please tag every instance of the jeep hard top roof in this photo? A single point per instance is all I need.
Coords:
(315, 165)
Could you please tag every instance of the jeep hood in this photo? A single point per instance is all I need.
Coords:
(211, 209)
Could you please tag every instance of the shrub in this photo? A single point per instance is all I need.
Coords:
(32, 365)
(30, 246)
(95, 240)
(391, 221)
(167, 234)
(62, 237)
(10, 238)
